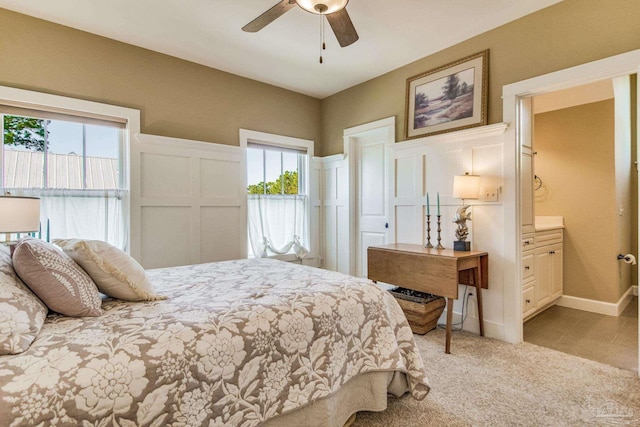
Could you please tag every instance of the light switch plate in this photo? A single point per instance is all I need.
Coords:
(490, 194)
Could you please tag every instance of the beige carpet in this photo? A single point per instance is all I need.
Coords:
(485, 382)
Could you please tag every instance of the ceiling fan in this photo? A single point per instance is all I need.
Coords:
(334, 10)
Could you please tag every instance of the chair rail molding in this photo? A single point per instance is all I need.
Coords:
(470, 135)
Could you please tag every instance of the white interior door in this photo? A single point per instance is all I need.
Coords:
(372, 197)
(367, 149)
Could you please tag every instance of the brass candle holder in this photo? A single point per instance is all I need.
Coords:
(439, 246)
(428, 245)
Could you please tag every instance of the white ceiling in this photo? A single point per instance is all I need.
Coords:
(285, 53)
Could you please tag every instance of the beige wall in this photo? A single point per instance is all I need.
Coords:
(177, 98)
(570, 33)
(576, 161)
(185, 100)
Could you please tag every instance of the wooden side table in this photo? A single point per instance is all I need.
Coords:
(435, 271)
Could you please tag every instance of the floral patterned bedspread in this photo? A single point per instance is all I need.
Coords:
(236, 343)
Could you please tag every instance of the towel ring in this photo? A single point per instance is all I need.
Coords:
(538, 182)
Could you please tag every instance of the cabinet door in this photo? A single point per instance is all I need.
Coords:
(525, 138)
(526, 191)
(555, 267)
(543, 276)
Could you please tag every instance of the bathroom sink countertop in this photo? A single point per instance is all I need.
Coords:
(544, 223)
(547, 227)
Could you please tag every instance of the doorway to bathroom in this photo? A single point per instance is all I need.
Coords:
(579, 298)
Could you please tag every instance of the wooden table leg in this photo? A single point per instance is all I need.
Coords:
(447, 345)
(477, 272)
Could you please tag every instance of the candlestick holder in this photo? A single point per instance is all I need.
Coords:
(428, 245)
(439, 246)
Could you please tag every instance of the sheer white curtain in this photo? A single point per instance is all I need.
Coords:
(85, 214)
(277, 225)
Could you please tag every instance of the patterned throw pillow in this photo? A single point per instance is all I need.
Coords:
(22, 314)
(59, 282)
(116, 274)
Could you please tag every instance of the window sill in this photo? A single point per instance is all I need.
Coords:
(287, 257)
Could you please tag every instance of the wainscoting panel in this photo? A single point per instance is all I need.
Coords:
(221, 226)
(406, 218)
(330, 260)
(342, 228)
(188, 202)
(315, 204)
(164, 175)
(214, 179)
(335, 220)
(429, 165)
(405, 168)
(409, 198)
(164, 245)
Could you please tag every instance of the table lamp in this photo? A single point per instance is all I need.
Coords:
(464, 187)
(19, 215)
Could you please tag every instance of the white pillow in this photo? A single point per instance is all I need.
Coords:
(115, 273)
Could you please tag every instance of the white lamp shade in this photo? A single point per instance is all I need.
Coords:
(332, 5)
(466, 186)
(19, 214)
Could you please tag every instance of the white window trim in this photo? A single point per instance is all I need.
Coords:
(247, 136)
(38, 100)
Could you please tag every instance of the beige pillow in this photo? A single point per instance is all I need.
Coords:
(114, 271)
(22, 314)
(54, 277)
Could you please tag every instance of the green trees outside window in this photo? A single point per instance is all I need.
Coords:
(287, 183)
(27, 132)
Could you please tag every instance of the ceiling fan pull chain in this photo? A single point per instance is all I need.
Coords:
(322, 20)
(322, 46)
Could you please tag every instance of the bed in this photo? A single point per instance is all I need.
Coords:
(236, 343)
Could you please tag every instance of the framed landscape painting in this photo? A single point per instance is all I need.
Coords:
(448, 98)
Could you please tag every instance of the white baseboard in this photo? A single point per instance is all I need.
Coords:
(491, 329)
(601, 307)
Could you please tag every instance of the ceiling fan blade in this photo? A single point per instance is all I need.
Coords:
(342, 27)
(269, 16)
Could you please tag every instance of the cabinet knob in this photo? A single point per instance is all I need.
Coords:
(528, 301)
(552, 252)
(526, 267)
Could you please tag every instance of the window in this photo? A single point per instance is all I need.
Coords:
(277, 200)
(75, 165)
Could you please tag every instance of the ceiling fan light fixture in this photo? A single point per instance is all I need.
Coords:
(322, 7)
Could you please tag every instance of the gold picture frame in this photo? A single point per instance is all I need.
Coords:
(448, 98)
